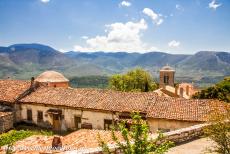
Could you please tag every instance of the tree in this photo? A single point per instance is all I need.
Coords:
(136, 140)
(219, 131)
(220, 91)
(135, 80)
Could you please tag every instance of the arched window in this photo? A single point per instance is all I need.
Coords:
(187, 90)
(166, 79)
(181, 92)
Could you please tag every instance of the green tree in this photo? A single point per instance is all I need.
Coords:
(220, 91)
(136, 140)
(219, 131)
(135, 80)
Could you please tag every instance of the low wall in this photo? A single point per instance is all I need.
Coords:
(177, 136)
(6, 121)
(185, 134)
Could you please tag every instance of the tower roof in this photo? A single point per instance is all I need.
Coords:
(51, 76)
(167, 68)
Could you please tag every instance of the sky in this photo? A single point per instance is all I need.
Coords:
(172, 26)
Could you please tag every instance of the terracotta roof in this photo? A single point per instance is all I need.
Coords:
(51, 76)
(81, 139)
(167, 68)
(11, 89)
(107, 100)
(183, 109)
(91, 98)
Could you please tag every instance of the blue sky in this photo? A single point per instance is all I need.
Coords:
(173, 26)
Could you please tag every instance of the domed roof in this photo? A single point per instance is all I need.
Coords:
(51, 76)
(167, 68)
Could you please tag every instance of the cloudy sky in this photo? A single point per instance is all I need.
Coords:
(173, 26)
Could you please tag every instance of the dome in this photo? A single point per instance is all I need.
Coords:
(51, 76)
(167, 68)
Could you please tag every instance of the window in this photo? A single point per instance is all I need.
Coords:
(77, 121)
(187, 90)
(166, 79)
(29, 114)
(40, 116)
(181, 92)
(108, 124)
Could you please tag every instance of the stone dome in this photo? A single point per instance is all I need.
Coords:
(51, 76)
(167, 68)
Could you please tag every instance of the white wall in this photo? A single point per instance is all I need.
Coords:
(93, 117)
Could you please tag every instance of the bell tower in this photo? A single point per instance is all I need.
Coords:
(166, 76)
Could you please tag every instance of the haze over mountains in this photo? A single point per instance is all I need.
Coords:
(22, 61)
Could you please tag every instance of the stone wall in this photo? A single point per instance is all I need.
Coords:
(177, 136)
(185, 134)
(6, 121)
(168, 125)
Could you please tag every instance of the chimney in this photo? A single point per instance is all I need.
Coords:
(56, 143)
(32, 82)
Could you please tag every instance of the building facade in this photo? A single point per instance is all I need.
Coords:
(61, 108)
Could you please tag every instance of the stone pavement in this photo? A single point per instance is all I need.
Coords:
(198, 146)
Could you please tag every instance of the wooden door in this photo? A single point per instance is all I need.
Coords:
(56, 122)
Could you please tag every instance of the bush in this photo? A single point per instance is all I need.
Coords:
(136, 140)
(16, 135)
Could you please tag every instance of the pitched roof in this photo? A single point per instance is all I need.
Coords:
(108, 100)
(11, 89)
(167, 68)
(78, 140)
(51, 76)
(91, 98)
(184, 109)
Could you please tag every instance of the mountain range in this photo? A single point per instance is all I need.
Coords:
(22, 61)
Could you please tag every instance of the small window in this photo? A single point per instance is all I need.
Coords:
(77, 121)
(187, 90)
(166, 79)
(108, 124)
(40, 116)
(29, 114)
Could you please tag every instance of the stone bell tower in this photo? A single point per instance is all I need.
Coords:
(166, 76)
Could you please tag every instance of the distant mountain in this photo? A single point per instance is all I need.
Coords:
(26, 60)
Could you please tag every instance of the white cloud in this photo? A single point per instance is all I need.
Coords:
(120, 37)
(84, 37)
(173, 43)
(125, 4)
(154, 16)
(213, 5)
(45, 1)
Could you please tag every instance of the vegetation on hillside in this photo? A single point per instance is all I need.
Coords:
(90, 82)
(135, 80)
(16, 135)
(219, 132)
(136, 139)
(219, 91)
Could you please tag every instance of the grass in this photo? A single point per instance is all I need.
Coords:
(16, 135)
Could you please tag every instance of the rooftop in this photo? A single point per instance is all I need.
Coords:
(167, 68)
(78, 140)
(149, 103)
(109, 101)
(51, 76)
(11, 89)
